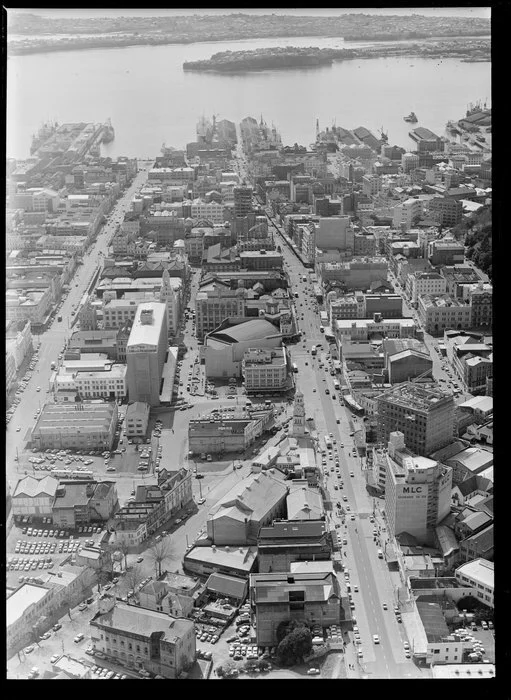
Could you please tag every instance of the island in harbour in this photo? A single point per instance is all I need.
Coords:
(275, 58)
(269, 59)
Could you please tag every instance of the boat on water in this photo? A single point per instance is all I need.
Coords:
(108, 132)
(383, 135)
(412, 117)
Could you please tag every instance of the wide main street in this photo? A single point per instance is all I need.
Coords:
(53, 339)
(370, 574)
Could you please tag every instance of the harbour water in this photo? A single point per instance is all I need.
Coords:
(151, 100)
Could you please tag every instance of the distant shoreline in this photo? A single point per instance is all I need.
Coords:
(38, 46)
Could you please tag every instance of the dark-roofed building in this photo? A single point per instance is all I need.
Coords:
(218, 259)
(143, 639)
(173, 593)
(480, 544)
(285, 541)
(472, 521)
(83, 502)
(231, 587)
(426, 140)
(238, 516)
(447, 543)
(314, 598)
(433, 621)
(233, 561)
(463, 491)
(226, 346)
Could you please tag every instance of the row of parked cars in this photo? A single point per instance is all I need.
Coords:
(21, 388)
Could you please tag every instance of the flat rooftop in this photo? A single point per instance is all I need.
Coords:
(147, 324)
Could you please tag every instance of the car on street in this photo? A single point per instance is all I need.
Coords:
(57, 627)
(54, 658)
(79, 637)
(201, 501)
(376, 639)
(29, 649)
(385, 607)
(140, 560)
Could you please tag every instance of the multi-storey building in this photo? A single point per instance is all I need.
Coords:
(420, 283)
(471, 359)
(446, 211)
(459, 279)
(425, 416)
(18, 340)
(285, 541)
(480, 297)
(143, 639)
(32, 305)
(146, 352)
(81, 426)
(335, 232)
(417, 492)
(306, 234)
(242, 200)
(446, 251)
(265, 370)
(409, 162)
(137, 419)
(363, 329)
(439, 312)
(214, 303)
(314, 598)
(10, 371)
(358, 273)
(210, 211)
(479, 574)
(371, 184)
(406, 214)
(106, 382)
(82, 502)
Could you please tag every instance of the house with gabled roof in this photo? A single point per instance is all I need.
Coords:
(34, 496)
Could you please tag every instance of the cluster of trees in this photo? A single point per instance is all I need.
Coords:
(476, 232)
(294, 642)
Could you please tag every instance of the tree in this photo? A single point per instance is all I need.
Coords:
(294, 646)
(160, 552)
(122, 547)
(133, 577)
(104, 576)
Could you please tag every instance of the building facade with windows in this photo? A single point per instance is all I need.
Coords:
(417, 492)
(143, 639)
(480, 575)
(314, 598)
(424, 414)
(82, 426)
(438, 312)
(265, 369)
(146, 352)
(137, 419)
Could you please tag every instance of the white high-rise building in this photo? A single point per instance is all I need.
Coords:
(146, 351)
(417, 492)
